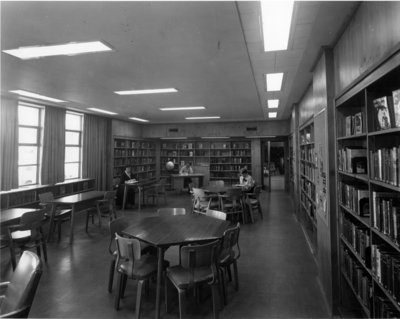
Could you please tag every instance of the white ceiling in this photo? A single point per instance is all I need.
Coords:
(210, 51)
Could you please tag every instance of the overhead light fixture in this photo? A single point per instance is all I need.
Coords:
(261, 136)
(273, 104)
(182, 108)
(138, 119)
(272, 115)
(202, 118)
(173, 138)
(215, 137)
(274, 81)
(36, 96)
(150, 91)
(276, 19)
(73, 48)
(101, 111)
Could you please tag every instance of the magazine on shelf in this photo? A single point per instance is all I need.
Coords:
(382, 113)
(396, 107)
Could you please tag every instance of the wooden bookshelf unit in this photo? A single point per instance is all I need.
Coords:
(368, 169)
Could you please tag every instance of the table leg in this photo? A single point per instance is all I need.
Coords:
(140, 197)
(71, 234)
(159, 280)
(124, 198)
(51, 226)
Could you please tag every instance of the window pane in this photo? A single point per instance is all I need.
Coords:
(27, 175)
(72, 154)
(72, 138)
(27, 155)
(27, 135)
(71, 170)
(28, 115)
(73, 122)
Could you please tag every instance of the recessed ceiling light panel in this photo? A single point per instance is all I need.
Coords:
(36, 96)
(138, 119)
(101, 111)
(74, 48)
(202, 118)
(273, 104)
(274, 81)
(183, 108)
(150, 91)
(272, 115)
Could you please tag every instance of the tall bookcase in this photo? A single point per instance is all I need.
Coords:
(140, 155)
(291, 161)
(368, 171)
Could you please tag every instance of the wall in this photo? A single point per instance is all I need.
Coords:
(373, 33)
(126, 129)
(306, 106)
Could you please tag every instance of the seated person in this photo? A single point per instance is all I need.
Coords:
(187, 169)
(130, 196)
(248, 182)
(241, 174)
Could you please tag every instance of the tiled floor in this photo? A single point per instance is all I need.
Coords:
(278, 277)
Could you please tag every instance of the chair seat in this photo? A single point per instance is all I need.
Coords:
(63, 213)
(181, 276)
(21, 235)
(143, 268)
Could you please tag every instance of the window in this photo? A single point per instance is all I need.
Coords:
(30, 119)
(73, 145)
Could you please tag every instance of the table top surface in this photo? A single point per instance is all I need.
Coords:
(77, 198)
(165, 231)
(219, 189)
(188, 175)
(13, 214)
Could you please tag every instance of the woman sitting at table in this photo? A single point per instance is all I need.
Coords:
(130, 195)
(185, 170)
(248, 182)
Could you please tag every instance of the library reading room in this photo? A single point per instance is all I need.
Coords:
(200, 159)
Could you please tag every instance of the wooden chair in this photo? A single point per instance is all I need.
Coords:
(27, 235)
(253, 202)
(168, 211)
(229, 254)
(133, 265)
(21, 289)
(60, 215)
(157, 191)
(216, 214)
(231, 203)
(200, 201)
(104, 208)
(198, 266)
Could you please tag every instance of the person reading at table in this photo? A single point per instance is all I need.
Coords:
(130, 196)
(187, 169)
(248, 182)
(241, 174)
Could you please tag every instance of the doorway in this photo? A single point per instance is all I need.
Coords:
(274, 165)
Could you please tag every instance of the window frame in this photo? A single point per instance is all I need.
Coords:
(79, 145)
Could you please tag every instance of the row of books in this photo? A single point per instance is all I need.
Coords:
(308, 171)
(361, 282)
(386, 268)
(133, 161)
(307, 187)
(358, 237)
(354, 124)
(352, 160)
(386, 214)
(307, 154)
(122, 152)
(308, 205)
(387, 110)
(354, 197)
(132, 144)
(385, 165)
(383, 308)
(305, 138)
(235, 168)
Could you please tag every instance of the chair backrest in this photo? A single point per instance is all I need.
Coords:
(21, 290)
(198, 193)
(32, 220)
(230, 243)
(195, 256)
(128, 248)
(171, 211)
(44, 197)
(217, 183)
(216, 214)
(116, 226)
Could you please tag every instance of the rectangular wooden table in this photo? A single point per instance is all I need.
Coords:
(200, 177)
(140, 185)
(12, 215)
(77, 202)
(165, 231)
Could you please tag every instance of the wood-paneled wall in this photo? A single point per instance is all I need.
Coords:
(126, 129)
(373, 33)
(306, 106)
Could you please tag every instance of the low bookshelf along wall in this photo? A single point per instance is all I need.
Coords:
(368, 177)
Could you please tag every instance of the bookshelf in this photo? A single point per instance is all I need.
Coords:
(29, 196)
(291, 161)
(368, 185)
(307, 182)
(140, 155)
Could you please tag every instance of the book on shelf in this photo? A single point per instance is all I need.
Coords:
(383, 308)
(352, 160)
(386, 214)
(382, 117)
(396, 107)
(355, 197)
(354, 124)
(385, 165)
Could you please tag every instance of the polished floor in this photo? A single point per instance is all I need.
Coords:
(277, 273)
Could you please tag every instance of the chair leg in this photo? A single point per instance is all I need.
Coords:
(250, 209)
(228, 270)
(166, 294)
(139, 298)
(12, 255)
(99, 216)
(235, 272)
(214, 291)
(182, 303)
(222, 285)
(111, 275)
(44, 248)
(118, 295)
(125, 279)
(87, 221)
(59, 229)
(260, 211)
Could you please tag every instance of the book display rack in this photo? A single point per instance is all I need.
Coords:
(368, 168)
(138, 154)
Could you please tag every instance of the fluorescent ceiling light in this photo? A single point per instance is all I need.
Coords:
(173, 138)
(276, 20)
(182, 108)
(215, 137)
(202, 118)
(272, 115)
(36, 96)
(151, 91)
(138, 119)
(273, 104)
(261, 136)
(274, 81)
(101, 111)
(74, 48)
